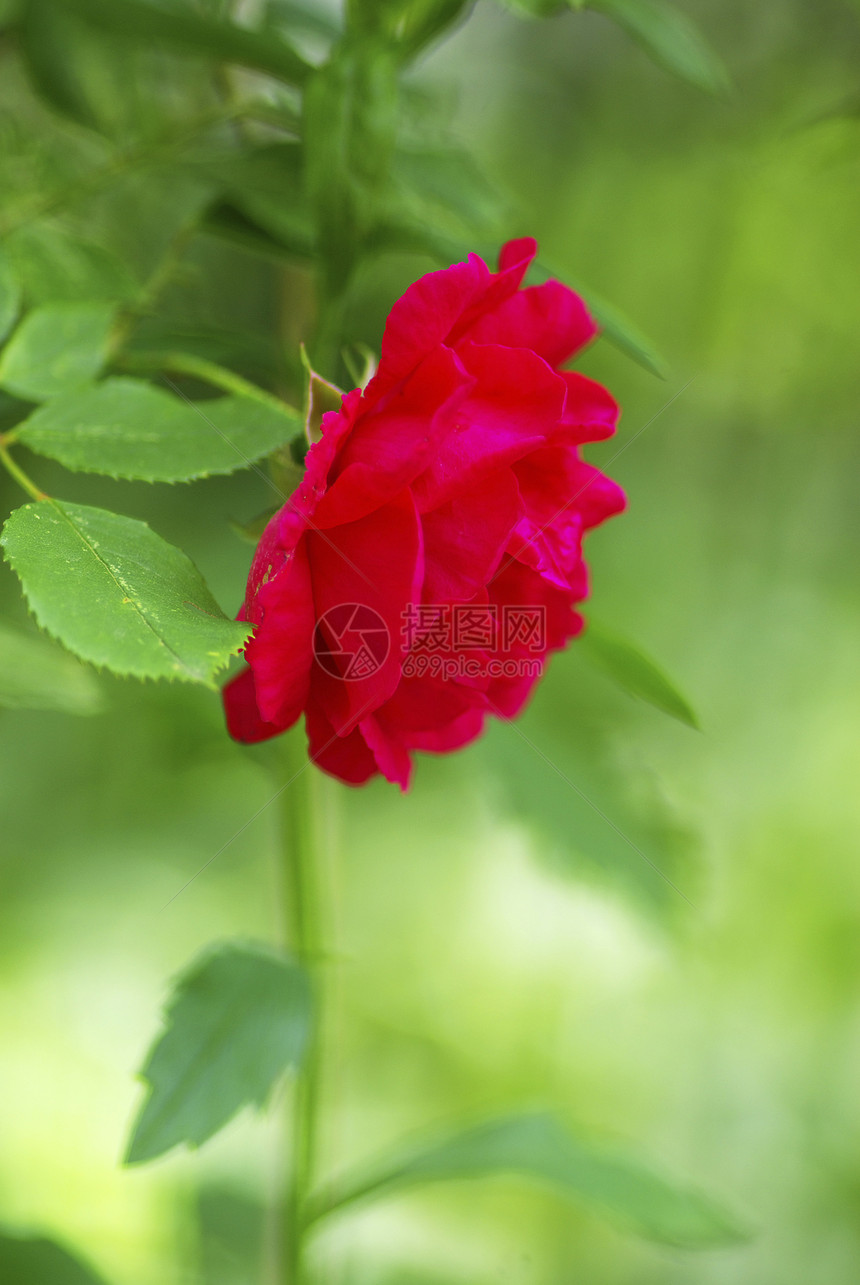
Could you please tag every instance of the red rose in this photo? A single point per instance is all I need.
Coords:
(432, 555)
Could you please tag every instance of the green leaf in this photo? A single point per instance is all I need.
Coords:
(614, 325)
(49, 39)
(535, 8)
(536, 1146)
(55, 349)
(321, 396)
(116, 594)
(423, 21)
(670, 38)
(35, 1260)
(160, 25)
(565, 773)
(237, 1019)
(449, 178)
(10, 294)
(251, 532)
(228, 223)
(623, 334)
(265, 185)
(55, 266)
(299, 17)
(125, 428)
(9, 12)
(34, 674)
(631, 669)
(231, 1235)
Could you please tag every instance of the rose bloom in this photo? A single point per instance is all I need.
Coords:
(449, 493)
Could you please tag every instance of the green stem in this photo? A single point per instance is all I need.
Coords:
(14, 470)
(180, 363)
(300, 859)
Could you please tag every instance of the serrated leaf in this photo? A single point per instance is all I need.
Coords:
(538, 1147)
(116, 594)
(10, 294)
(55, 349)
(35, 1260)
(126, 428)
(631, 669)
(670, 38)
(35, 674)
(237, 1019)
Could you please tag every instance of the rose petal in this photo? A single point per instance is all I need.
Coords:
(450, 736)
(346, 757)
(514, 260)
(378, 563)
(392, 443)
(507, 697)
(554, 483)
(391, 755)
(280, 651)
(420, 704)
(464, 539)
(423, 317)
(244, 721)
(590, 411)
(513, 409)
(516, 255)
(517, 586)
(550, 319)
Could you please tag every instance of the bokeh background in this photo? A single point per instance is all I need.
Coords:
(497, 942)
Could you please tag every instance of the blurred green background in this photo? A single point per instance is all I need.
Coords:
(497, 943)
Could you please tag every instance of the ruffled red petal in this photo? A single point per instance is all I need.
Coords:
(513, 409)
(453, 479)
(348, 758)
(377, 563)
(550, 319)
